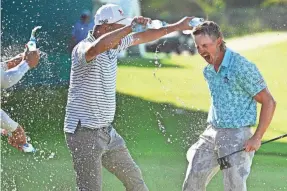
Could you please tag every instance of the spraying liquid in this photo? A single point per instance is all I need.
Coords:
(32, 42)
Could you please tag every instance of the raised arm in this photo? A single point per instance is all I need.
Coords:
(14, 61)
(12, 76)
(106, 42)
(153, 34)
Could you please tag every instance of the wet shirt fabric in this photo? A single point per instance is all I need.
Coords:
(92, 89)
(232, 89)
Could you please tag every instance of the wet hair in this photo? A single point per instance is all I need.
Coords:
(211, 29)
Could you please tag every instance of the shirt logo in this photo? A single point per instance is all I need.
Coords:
(103, 21)
(121, 12)
(225, 79)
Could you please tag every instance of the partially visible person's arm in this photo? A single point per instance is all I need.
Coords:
(16, 133)
(7, 123)
(3, 132)
(14, 61)
(13, 75)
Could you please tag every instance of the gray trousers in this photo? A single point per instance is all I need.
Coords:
(203, 155)
(92, 149)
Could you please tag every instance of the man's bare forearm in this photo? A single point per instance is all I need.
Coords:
(153, 34)
(106, 42)
(266, 115)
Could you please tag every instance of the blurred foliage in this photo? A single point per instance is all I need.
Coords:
(210, 7)
(235, 18)
(268, 3)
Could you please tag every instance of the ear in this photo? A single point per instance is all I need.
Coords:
(219, 41)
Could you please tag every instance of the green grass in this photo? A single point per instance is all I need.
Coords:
(185, 86)
(176, 97)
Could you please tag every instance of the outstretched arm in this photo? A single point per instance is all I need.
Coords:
(14, 61)
(13, 75)
(111, 39)
(106, 42)
(153, 34)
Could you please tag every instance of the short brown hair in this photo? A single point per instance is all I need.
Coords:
(210, 28)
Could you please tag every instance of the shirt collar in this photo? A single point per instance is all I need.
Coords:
(91, 36)
(226, 59)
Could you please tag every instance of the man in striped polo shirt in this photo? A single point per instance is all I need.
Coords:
(91, 103)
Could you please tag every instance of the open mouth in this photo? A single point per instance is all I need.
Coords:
(206, 57)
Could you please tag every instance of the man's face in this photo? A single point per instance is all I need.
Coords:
(85, 18)
(208, 47)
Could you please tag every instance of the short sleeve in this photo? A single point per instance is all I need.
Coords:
(79, 53)
(250, 78)
(126, 42)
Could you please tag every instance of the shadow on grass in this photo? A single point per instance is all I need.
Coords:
(41, 111)
(149, 128)
(273, 149)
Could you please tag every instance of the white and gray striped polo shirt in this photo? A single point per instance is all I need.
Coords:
(92, 90)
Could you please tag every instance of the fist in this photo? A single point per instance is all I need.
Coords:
(32, 58)
(183, 24)
(252, 144)
(4, 132)
(17, 138)
(141, 20)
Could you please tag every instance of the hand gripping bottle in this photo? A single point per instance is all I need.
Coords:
(155, 24)
(194, 23)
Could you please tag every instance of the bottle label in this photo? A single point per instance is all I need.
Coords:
(138, 28)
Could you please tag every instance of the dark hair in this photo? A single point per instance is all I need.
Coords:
(210, 28)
